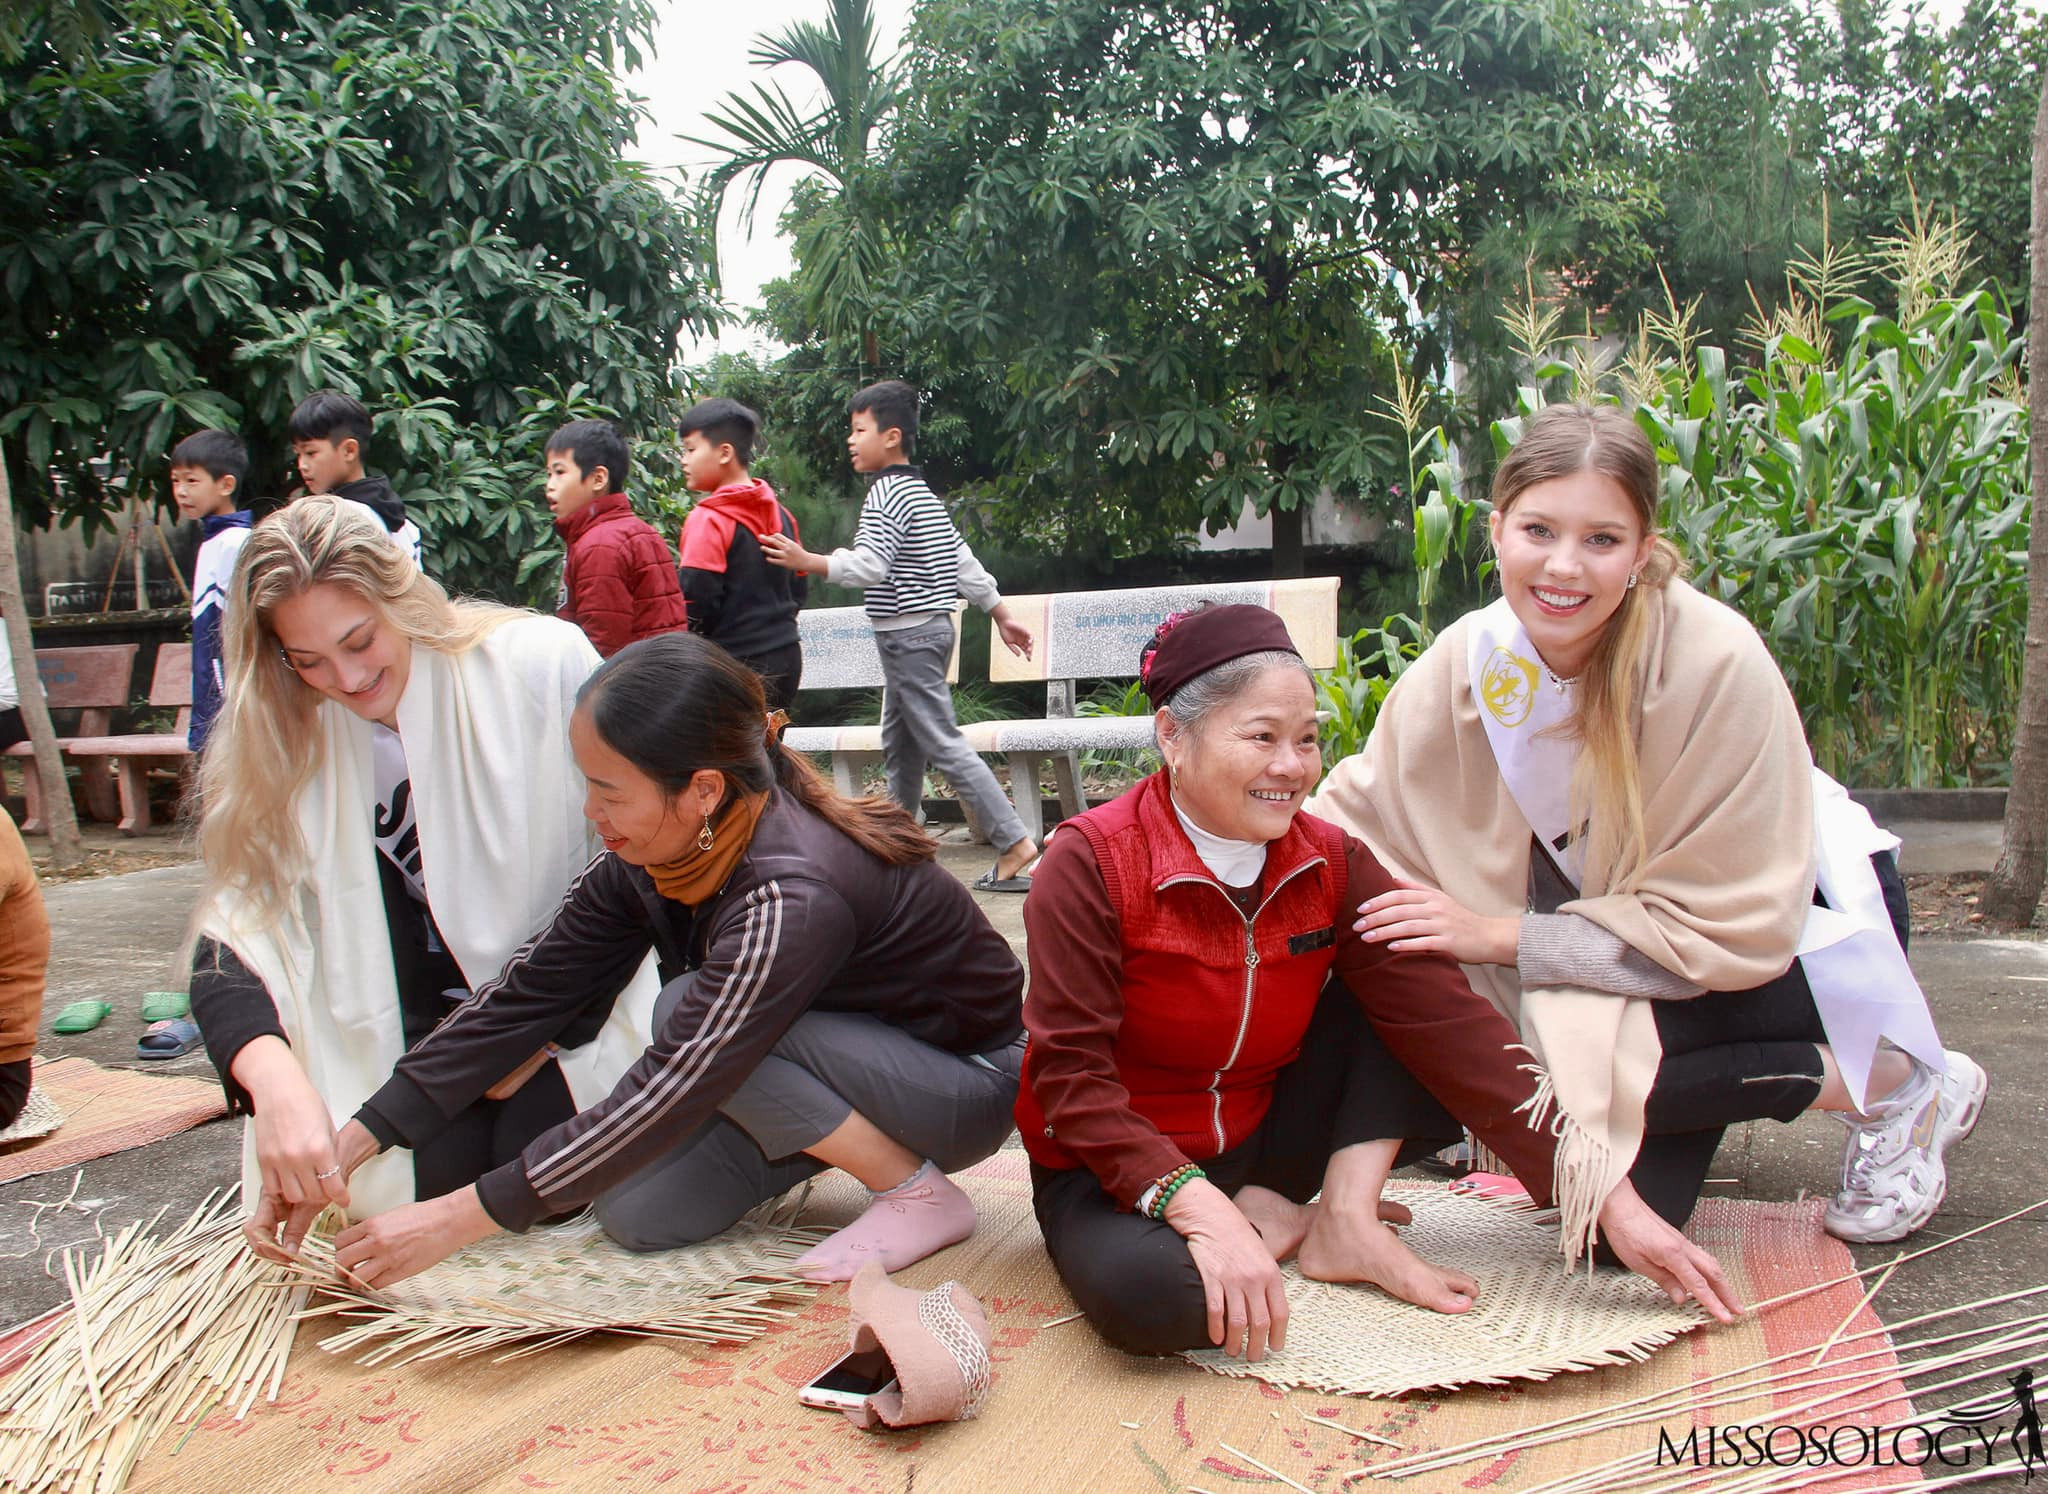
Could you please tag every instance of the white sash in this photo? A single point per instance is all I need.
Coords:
(1862, 986)
(1520, 702)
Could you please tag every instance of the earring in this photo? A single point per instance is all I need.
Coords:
(704, 840)
(1633, 577)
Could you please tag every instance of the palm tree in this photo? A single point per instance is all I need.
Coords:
(841, 248)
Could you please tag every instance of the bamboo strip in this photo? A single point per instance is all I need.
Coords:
(1338, 1426)
(1265, 1469)
(1808, 1291)
(85, 1364)
(1865, 1301)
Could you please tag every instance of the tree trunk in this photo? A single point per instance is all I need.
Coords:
(1289, 557)
(65, 848)
(2014, 890)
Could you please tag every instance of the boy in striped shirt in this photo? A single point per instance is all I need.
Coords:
(912, 563)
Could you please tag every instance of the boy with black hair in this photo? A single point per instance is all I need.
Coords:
(735, 597)
(208, 471)
(330, 436)
(617, 585)
(911, 562)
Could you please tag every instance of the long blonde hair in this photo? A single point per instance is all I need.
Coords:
(1607, 787)
(266, 745)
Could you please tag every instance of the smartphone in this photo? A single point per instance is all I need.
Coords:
(849, 1382)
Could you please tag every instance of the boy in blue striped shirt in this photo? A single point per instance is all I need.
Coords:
(911, 563)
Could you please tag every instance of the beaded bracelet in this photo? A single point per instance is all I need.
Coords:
(1171, 1184)
(1148, 1201)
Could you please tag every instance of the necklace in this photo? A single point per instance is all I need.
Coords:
(1557, 682)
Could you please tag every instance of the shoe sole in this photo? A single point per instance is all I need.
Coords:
(1940, 1144)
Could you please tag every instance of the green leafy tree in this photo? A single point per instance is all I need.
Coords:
(1734, 157)
(429, 207)
(1191, 239)
(1936, 122)
(1779, 125)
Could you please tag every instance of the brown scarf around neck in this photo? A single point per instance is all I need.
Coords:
(693, 877)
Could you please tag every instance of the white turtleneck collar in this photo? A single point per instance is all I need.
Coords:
(1235, 863)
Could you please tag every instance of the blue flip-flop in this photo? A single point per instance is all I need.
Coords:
(173, 1037)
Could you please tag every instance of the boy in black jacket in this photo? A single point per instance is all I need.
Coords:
(329, 433)
(732, 595)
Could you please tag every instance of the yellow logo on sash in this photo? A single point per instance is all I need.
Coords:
(1507, 687)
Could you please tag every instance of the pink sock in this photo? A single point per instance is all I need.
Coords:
(921, 1215)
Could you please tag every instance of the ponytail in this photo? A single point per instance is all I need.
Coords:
(881, 827)
(677, 704)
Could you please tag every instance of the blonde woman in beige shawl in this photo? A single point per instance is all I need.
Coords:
(1599, 798)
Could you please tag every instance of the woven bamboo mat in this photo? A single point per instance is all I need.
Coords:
(1066, 1413)
(107, 1111)
(40, 1115)
(1532, 1320)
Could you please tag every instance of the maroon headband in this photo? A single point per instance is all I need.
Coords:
(1193, 643)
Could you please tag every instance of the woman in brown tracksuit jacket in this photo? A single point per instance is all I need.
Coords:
(832, 997)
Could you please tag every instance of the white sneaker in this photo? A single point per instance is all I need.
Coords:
(1893, 1166)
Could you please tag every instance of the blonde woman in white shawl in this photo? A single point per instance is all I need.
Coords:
(389, 808)
(1600, 799)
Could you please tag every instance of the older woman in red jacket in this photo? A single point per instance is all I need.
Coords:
(1196, 1077)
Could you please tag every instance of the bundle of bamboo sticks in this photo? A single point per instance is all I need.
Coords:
(161, 1330)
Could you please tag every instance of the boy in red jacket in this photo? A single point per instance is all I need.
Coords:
(616, 582)
(736, 598)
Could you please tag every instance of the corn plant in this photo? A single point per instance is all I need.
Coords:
(1856, 486)
(1350, 695)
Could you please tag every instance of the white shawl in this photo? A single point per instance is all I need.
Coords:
(498, 804)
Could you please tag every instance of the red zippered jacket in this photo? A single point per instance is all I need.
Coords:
(1160, 1014)
(617, 583)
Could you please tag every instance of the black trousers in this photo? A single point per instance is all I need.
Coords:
(1730, 1057)
(487, 1133)
(490, 1133)
(13, 730)
(781, 671)
(1134, 1278)
(14, 1087)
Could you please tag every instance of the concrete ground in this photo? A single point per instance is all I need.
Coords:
(115, 938)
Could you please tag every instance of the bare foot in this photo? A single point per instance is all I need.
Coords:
(1281, 1223)
(1016, 858)
(1351, 1249)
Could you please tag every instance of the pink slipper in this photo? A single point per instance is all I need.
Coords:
(938, 1342)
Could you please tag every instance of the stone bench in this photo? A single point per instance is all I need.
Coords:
(839, 654)
(1089, 635)
(134, 755)
(93, 681)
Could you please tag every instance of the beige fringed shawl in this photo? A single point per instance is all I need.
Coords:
(1721, 898)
